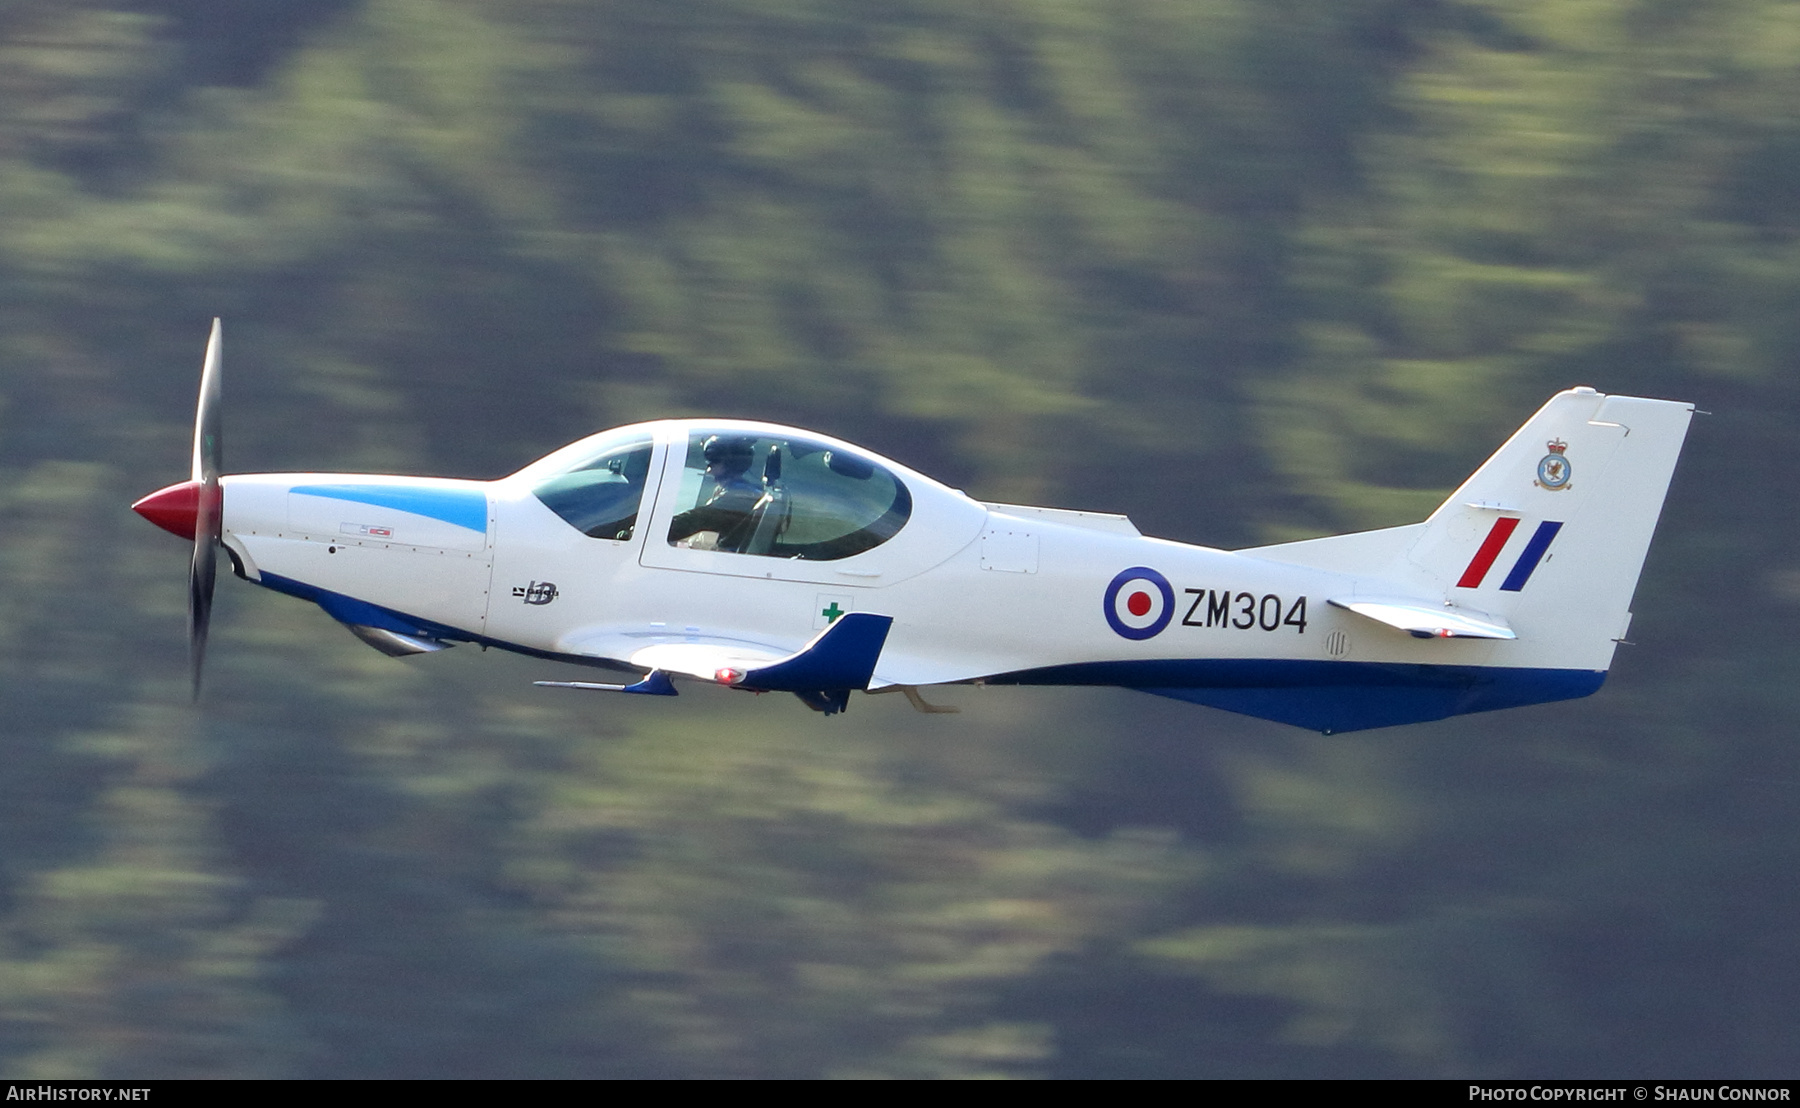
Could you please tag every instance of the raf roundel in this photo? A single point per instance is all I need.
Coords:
(1139, 603)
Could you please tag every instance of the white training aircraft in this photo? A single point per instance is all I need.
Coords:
(767, 558)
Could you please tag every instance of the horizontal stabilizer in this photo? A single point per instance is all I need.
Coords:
(843, 656)
(1429, 621)
(655, 683)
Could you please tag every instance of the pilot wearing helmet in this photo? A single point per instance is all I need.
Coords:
(725, 520)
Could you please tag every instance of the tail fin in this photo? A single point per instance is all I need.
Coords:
(1549, 534)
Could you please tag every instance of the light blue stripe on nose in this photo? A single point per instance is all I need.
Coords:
(459, 506)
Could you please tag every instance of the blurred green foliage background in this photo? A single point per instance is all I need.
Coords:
(1248, 270)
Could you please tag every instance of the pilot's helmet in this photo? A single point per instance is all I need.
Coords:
(729, 452)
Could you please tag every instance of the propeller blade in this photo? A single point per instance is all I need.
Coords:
(200, 599)
(206, 417)
(208, 513)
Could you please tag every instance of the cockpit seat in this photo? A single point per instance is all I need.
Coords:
(771, 515)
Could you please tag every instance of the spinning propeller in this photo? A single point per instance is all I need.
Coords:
(193, 508)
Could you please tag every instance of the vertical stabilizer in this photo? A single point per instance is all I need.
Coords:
(1551, 532)
(1549, 535)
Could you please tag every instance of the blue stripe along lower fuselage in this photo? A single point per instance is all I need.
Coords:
(348, 609)
(1332, 697)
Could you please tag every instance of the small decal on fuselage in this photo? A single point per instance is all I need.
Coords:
(828, 607)
(366, 531)
(537, 594)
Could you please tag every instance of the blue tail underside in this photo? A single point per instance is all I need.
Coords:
(1329, 697)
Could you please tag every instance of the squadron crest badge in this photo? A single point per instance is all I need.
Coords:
(1554, 471)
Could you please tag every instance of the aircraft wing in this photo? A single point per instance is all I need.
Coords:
(842, 656)
(689, 654)
(704, 660)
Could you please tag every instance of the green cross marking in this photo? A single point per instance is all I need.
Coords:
(831, 613)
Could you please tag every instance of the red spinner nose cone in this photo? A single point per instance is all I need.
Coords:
(175, 509)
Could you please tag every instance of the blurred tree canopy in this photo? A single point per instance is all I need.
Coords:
(1247, 269)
